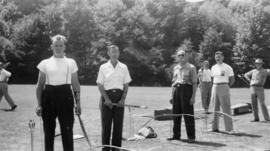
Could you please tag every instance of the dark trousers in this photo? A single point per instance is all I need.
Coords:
(109, 116)
(181, 105)
(58, 102)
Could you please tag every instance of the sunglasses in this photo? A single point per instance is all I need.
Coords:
(182, 55)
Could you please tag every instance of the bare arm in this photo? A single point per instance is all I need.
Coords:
(39, 90)
(107, 102)
(124, 95)
(247, 76)
(76, 89)
(231, 80)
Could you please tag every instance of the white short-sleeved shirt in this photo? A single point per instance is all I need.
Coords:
(205, 75)
(58, 70)
(221, 73)
(4, 74)
(113, 78)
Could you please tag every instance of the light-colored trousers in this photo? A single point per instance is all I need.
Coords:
(221, 97)
(206, 88)
(257, 93)
(4, 92)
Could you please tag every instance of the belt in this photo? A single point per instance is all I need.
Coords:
(207, 81)
(180, 84)
(113, 90)
(222, 83)
(256, 85)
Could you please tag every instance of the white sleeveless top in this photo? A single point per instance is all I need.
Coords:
(58, 70)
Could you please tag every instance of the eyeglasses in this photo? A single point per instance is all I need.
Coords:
(182, 55)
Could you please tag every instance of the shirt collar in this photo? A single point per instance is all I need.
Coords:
(182, 67)
(110, 64)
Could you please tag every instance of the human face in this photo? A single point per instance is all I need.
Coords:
(205, 65)
(113, 53)
(181, 57)
(219, 58)
(58, 48)
(258, 65)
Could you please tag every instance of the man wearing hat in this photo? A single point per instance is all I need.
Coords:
(185, 85)
(223, 78)
(257, 78)
(4, 76)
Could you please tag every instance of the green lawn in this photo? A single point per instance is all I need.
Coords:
(15, 135)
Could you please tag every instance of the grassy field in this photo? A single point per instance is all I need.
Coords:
(15, 135)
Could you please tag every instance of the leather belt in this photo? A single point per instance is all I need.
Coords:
(222, 83)
(256, 85)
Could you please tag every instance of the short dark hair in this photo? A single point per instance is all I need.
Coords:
(219, 53)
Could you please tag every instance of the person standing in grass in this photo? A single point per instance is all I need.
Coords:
(223, 78)
(57, 87)
(257, 78)
(113, 81)
(4, 76)
(205, 85)
(185, 85)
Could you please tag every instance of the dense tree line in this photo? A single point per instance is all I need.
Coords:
(147, 31)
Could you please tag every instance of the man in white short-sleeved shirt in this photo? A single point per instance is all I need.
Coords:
(113, 80)
(223, 78)
(4, 76)
(205, 85)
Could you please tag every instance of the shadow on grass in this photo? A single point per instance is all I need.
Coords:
(241, 134)
(206, 143)
(7, 110)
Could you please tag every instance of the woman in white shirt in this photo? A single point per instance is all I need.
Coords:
(57, 81)
(205, 85)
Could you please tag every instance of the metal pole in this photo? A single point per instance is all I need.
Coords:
(32, 127)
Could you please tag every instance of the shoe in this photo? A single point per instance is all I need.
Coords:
(191, 141)
(266, 121)
(211, 130)
(173, 138)
(13, 108)
(255, 120)
(232, 132)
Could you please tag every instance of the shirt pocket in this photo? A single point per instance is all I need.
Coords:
(186, 75)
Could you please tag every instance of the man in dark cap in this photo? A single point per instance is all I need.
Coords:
(184, 90)
(257, 78)
(4, 76)
(223, 78)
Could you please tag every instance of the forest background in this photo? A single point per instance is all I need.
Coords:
(148, 33)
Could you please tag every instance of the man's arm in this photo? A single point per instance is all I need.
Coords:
(39, 90)
(107, 102)
(231, 80)
(194, 85)
(248, 75)
(124, 95)
(76, 90)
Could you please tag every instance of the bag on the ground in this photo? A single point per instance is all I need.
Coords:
(147, 132)
(241, 108)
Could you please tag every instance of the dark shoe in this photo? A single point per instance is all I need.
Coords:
(173, 138)
(13, 108)
(191, 140)
(255, 120)
(211, 130)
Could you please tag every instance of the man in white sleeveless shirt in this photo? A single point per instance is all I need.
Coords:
(57, 79)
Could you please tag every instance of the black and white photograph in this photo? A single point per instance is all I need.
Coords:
(134, 75)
